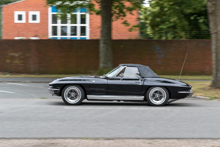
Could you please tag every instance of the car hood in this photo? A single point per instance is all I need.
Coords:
(76, 78)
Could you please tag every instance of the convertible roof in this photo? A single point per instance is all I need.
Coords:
(145, 71)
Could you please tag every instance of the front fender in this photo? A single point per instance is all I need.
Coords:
(173, 86)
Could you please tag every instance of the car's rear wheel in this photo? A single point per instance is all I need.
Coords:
(157, 96)
(73, 95)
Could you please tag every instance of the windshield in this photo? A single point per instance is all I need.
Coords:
(114, 71)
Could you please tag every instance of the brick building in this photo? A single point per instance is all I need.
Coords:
(32, 19)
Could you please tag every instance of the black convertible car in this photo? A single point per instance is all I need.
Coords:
(127, 82)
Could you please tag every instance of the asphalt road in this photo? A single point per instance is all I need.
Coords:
(28, 80)
(28, 111)
(24, 90)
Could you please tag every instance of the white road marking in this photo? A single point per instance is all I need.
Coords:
(17, 84)
(6, 91)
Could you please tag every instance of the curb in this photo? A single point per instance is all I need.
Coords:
(199, 97)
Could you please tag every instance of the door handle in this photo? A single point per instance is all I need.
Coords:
(139, 82)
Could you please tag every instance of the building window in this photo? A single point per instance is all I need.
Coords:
(73, 26)
(34, 17)
(20, 17)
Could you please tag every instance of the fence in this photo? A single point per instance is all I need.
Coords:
(82, 56)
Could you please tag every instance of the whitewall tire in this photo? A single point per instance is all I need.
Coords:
(157, 96)
(73, 95)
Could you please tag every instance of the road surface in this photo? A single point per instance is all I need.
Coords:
(27, 110)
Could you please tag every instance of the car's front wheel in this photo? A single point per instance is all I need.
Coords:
(157, 96)
(73, 95)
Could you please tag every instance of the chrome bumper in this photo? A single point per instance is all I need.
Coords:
(187, 92)
(52, 90)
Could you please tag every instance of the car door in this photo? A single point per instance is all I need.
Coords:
(125, 83)
(98, 86)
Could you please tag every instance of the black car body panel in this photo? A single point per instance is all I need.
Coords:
(116, 86)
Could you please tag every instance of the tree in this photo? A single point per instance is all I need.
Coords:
(110, 10)
(176, 19)
(214, 15)
(3, 2)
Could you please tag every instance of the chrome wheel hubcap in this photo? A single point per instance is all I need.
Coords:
(157, 96)
(72, 94)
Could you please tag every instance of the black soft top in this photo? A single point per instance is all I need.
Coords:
(145, 71)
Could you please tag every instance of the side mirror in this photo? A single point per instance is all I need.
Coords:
(104, 76)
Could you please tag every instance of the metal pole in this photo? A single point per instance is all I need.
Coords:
(183, 65)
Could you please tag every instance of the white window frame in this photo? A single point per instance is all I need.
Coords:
(34, 13)
(16, 13)
(78, 25)
(18, 38)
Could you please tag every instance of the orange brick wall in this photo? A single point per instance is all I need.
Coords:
(165, 57)
(11, 29)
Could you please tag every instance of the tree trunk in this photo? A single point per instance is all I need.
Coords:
(106, 35)
(214, 21)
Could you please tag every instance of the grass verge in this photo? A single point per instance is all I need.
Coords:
(191, 77)
(202, 88)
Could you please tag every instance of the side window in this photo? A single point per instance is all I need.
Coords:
(131, 72)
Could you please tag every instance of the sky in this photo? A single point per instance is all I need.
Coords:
(146, 3)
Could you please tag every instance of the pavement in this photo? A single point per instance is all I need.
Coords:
(108, 143)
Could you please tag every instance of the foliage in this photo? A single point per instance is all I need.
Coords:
(102, 71)
(4, 2)
(120, 8)
(179, 19)
(211, 98)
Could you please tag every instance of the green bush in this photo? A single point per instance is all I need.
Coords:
(102, 71)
